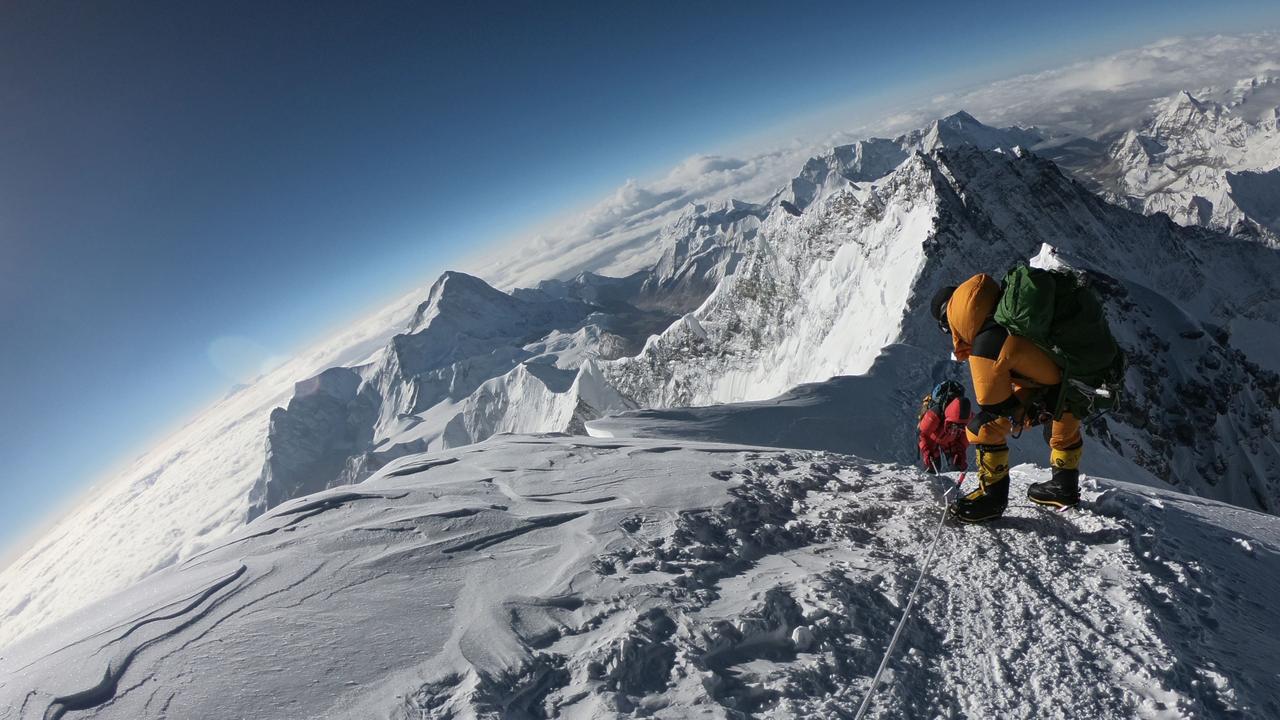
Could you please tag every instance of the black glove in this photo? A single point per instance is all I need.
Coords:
(1036, 414)
(931, 463)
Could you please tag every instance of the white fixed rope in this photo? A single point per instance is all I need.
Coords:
(902, 622)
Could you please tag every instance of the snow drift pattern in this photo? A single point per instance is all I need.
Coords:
(560, 577)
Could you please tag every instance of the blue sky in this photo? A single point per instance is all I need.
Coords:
(172, 174)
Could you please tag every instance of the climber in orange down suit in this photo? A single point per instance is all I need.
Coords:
(1011, 376)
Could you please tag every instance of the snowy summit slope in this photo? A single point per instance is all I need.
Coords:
(534, 577)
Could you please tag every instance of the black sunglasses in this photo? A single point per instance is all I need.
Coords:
(942, 320)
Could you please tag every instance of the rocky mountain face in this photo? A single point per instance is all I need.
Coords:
(823, 293)
(1201, 161)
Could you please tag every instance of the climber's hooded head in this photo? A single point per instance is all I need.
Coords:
(938, 306)
(968, 308)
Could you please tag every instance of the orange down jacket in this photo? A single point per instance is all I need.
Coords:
(1006, 369)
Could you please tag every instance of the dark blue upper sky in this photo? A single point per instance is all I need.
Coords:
(172, 173)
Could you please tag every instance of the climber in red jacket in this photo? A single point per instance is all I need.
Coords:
(944, 415)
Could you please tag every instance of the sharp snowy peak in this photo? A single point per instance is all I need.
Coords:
(963, 129)
(1187, 163)
(576, 578)
(474, 361)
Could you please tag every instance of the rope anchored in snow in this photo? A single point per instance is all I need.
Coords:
(906, 611)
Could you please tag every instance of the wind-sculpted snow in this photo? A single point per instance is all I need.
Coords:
(565, 577)
(186, 492)
(466, 363)
(871, 415)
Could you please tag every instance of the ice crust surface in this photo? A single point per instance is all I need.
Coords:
(571, 577)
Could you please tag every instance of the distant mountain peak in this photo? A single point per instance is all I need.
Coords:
(461, 292)
(1186, 98)
(454, 282)
(961, 128)
(960, 118)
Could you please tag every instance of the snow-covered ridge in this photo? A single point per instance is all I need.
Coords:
(865, 161)
(797, 299)
(821, 294)
(1208, 162)
(576, 578)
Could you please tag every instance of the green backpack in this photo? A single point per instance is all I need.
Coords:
(1063, 317)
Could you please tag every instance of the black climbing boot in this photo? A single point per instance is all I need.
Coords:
(984, 504)
(988, 502)
(1060, 491)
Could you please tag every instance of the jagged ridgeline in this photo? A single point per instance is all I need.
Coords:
(750, 300)
(476, 361)
(783, 300)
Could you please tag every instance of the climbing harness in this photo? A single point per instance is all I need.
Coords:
(902, 622)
